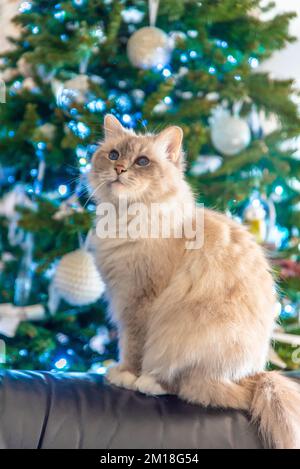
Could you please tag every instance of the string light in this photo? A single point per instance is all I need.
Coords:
(25, 7)
(166, 73)
(126, 118)
(60, 15)
(278, 190)
(61, 363)
(253, 62)
(97, 105)
(231, 59)
(62, 189)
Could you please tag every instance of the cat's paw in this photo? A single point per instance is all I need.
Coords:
(121, 377)
(147, 385)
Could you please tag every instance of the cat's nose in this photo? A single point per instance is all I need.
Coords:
(119, 168)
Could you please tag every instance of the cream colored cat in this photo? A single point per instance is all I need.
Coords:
(192, 322)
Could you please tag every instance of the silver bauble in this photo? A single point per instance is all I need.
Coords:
(230, 134)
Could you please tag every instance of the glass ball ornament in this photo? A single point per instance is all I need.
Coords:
(230, 134)
(149, 47)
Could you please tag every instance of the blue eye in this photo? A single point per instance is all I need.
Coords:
(113, 155)
(142, 161)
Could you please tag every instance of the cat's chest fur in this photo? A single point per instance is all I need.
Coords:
(134, 271)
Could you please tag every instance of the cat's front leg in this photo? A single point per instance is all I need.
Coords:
(126, 372)
(119, 375)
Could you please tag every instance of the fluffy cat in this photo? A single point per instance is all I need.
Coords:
(196, 323)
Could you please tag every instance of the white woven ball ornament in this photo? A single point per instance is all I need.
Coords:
(76, 280)
(230, 134)
(149, 47)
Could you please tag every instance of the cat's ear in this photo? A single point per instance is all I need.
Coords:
(171, 139)
(112, 127)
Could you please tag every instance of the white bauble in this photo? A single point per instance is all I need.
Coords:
(149, 47)
(76, 280)
(230, 134)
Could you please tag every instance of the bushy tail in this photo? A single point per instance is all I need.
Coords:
(272, 400)
(275, 407)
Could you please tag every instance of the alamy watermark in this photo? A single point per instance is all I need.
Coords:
(2, 352)
(151, 221)
(2, 91)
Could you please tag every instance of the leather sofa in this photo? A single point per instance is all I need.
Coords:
(77, 410)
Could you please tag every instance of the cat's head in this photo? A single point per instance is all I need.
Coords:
(138, 167)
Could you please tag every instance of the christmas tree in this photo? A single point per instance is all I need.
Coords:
(76, 60)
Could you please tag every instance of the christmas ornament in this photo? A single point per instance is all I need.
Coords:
(206, 164)
(149, 47)
(46, 130)
(255, 216)
(229, 134)
(11, 316)
(76, 280)
(259, 214)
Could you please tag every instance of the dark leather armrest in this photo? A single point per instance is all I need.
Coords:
(74, 410)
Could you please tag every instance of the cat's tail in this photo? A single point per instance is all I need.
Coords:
(275, 407)
(272, 400)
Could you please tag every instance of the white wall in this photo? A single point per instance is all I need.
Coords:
(286, 63)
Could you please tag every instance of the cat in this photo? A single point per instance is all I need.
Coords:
(192, 322)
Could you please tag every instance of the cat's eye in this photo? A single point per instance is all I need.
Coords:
(142, 161)
(113, 155)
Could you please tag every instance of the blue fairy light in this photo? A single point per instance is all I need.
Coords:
(96, 105)
(81, 151)
(193, 54)
(23, 352)
(222, 44)
(74, 112)
(166, 72)
(17, 84)
(237, 77)
(278, 190)
(35, 30)
(192, 33)
(168, 100)
(80, 129)
(64, 37)
(231, 59)
(25, 7)
(211, 70)
(78, 3)
(11, 133)
(60, 15)
(82, 161)
(85, 169)
(159, 67)
(11, 179)
(126, 118)
(61, 363)
(184, 58)
(83, 130)
(63, 189)
(33, 172)
(41, 145)
(288, 311)
(123, 102)
(253, 62)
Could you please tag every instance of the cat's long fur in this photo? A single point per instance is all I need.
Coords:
(192, 322)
